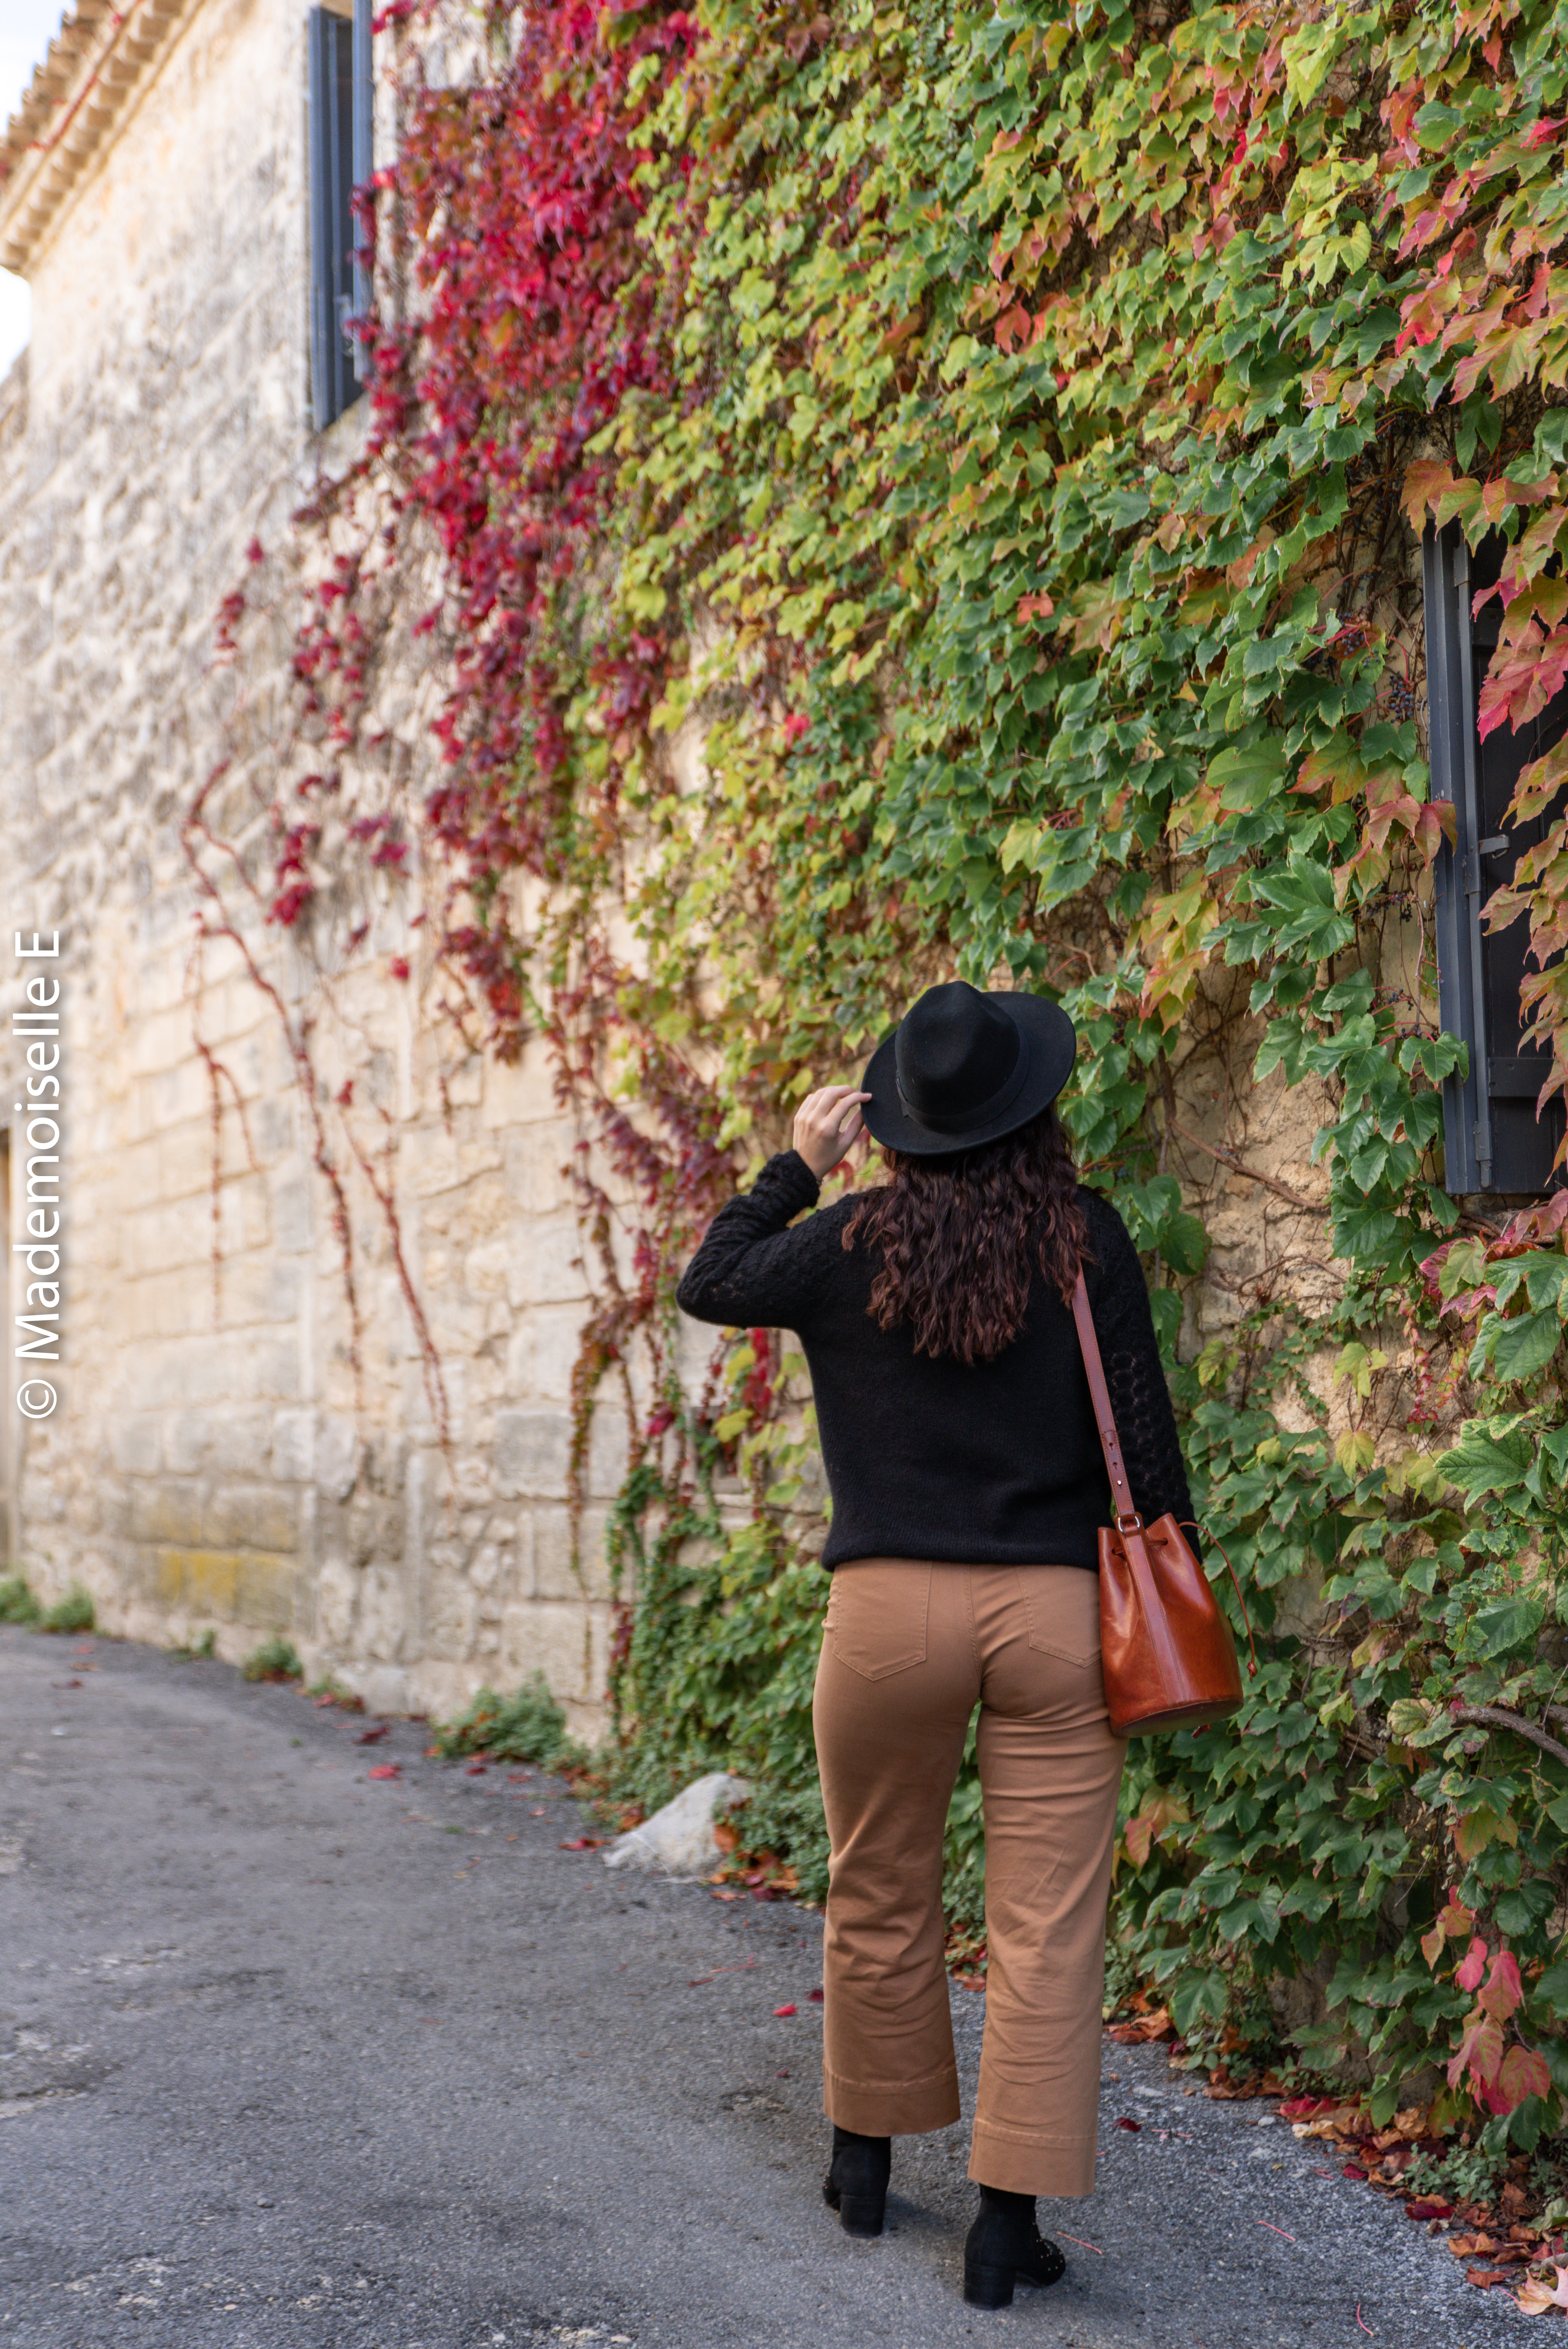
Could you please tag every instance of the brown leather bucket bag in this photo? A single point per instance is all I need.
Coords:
(1169, 1657)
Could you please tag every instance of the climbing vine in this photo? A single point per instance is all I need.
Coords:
(911, 491)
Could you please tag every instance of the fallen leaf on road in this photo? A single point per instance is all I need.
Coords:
(1466, 2247)
(515, 1777)
(387, 1770)
(1134, 2125)
(374, 1736)
(1536, 2294)
(1352, 2169)
(583, 1842)
(64, 1683)
(1428, 2209)
(783, 2009)
(476, 1770)
(1143, 2028)
(1307, 2108)
(537, 1812)
(815, 1997)
(1486, 2277)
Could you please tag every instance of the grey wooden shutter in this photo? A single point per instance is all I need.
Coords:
(1493, 1141)
(364, 158)
(335, 382)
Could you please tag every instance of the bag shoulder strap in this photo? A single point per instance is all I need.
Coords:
(1127, 1518)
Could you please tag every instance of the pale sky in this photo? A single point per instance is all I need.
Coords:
(26, 28)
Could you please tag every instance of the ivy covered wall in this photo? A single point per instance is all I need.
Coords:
(914, 492)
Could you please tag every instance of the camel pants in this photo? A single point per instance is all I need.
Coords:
(908, 1650)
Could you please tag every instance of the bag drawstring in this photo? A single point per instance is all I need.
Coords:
(1203, 1536)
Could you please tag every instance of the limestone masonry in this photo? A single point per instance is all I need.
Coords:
(213, 1459)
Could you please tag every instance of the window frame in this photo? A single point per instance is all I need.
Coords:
(340, 156)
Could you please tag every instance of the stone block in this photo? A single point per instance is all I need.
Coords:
(185, 1443)
(238, 1440)
(334, 1596)
(384, 1615)
(545, 1263)
(537, 1162)
(136, 1444)
(271, 1367)
(486, 1268)
(552, 1637)
(451, 1620)
(384, 1688)
(554, 1575)
(168, 1512)
(542, 1348)
(256, 1516)
(532, 1450)
(523, 1090)
(609, 1450)
(159, 1041)
(203, 1582)
(292, 1223)
(293, 1445)
(339, 1453)
(265, 1591)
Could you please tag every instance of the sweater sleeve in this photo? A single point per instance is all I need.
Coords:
(752, 1271)
(1135, 1376)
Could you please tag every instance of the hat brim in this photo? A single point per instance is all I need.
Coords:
(1048, 1036)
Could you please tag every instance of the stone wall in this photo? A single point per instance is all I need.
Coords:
(227, 1452)
(217, 1459)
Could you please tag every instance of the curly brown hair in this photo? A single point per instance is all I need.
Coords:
(960, 1237)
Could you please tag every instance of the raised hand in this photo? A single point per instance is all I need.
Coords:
(828, 1125)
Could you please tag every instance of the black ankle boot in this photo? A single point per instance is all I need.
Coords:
(1005, 2247)
(856, 2183)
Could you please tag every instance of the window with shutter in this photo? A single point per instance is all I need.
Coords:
(340, 157)
(1494, 1142)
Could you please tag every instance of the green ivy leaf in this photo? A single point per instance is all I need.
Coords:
(1508, 1623)
(1516, 1349)
(1488, 1458)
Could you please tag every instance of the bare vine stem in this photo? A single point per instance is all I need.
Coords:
(1499, 1716)
(1228, 1158)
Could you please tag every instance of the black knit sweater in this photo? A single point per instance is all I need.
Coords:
(986, 1463)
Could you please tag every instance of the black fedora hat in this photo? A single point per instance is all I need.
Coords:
(961, 1068)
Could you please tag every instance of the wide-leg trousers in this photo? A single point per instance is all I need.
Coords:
(909, 1648)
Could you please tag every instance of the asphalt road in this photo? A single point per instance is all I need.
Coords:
(292, 2058)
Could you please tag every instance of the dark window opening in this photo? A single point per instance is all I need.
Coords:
(340, 158)
(1493, 1141)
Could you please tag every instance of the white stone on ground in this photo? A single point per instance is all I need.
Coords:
(679, 1840)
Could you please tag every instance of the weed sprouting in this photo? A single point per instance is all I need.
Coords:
(17, 1604)
(528, 1726)
(74, 1612)
(275, 1660)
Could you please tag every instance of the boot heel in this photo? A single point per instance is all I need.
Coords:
(861, 2214)
(985, 2286)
